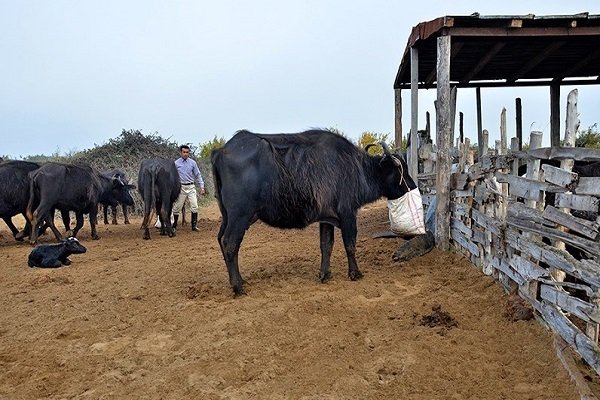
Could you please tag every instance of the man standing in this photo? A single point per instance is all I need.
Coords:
(188, 175)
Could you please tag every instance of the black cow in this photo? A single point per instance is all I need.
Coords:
(14, 192)
(293, 180)
(125, 201)
(77, 188)
(159, 185)
(55, 255)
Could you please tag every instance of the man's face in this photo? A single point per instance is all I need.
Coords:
(185, 153)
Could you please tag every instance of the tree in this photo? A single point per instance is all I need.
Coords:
(588, 138)
(366, 138)
(206, 148)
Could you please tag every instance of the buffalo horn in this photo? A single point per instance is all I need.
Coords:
(387, 152)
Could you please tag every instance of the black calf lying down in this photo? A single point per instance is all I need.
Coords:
(55, 255)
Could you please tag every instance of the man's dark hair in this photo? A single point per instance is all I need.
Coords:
(184, 146)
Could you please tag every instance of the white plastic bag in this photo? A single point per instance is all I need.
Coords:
(406, 214)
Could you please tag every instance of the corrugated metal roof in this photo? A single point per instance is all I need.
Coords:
(508, 50)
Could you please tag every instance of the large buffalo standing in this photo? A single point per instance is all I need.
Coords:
(159, 185)
(14, 191)
(68, 187)
(293, 180)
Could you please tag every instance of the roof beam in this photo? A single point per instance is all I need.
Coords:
(582, 63)
(536, 60)
(484, 61)
(503, 83)
(512, 32)
(456, 47)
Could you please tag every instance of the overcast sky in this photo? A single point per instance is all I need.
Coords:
(75, 73)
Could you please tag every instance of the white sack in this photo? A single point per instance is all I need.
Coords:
(406, 214)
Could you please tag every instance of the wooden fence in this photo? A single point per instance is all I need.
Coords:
(533, 233)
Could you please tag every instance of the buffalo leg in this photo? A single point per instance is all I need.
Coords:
(11, 226)
(114, 215)
(93, 221)
(78, 223)
(349, 237)
(230, 242)
(125, 215)
(326, 235)
(105, 213)
(66, 217)
(38, 217)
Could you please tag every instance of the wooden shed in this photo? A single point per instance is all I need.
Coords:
(491, 51)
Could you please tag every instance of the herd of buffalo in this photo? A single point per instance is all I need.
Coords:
(284, 180)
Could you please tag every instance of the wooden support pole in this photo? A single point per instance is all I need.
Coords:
(461, 131)
(479, 124)
(413, 161)
(572, 123)
(555, 115)
(503, 133)
(484, 146)
(452, 112)
(428, 126)
(519, 121)
(444, 143)
(398, 118)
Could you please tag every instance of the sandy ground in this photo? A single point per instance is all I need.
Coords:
(135, 319)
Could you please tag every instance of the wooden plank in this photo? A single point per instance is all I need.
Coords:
(458, 181)
(589, 186)
(489, 224)
(479, 236)
(587, 272)
(559, 176)
(561, 153)
(526, 268)
(570, 304)
(460, 226)
(572, 335)
(566, 357)
(459, 238)
(577, 202)
(462, 193)
(586, 245)
(505, 268)
(519, 211)
(528, 185)
(585, 227)
(460, 209)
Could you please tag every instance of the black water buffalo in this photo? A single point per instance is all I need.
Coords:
(159, 185)
(14, 192)
(69, 187)
(293, 180)
(55, 255)
(124, 201)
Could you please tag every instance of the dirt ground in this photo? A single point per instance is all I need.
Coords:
(135, 319)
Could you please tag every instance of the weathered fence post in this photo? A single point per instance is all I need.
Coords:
(443, 164)
(398, 118)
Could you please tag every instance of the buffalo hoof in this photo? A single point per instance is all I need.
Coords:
(96, 237)
(172, 234)
(67, 261)
(355, 275)
(325, 277)
(115, 223)
(127, 222)
(415, 247)
(239, 291)
(146, 235)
